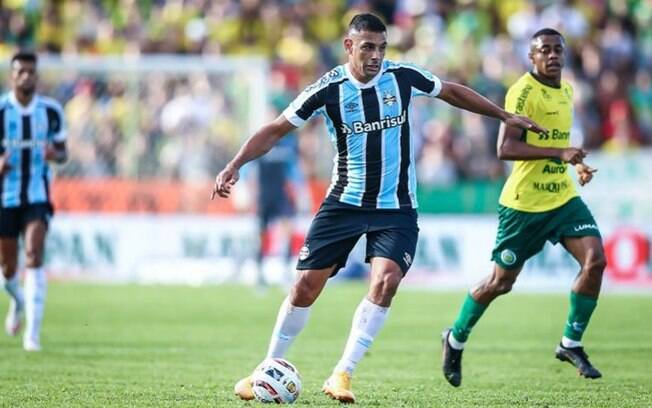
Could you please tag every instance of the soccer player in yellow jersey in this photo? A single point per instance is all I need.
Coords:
(539, 203)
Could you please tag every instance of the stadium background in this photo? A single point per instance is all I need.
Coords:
(160, 94)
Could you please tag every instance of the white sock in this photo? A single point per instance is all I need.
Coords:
(457, 345)
(12, 286)
(368, 319)
(35, 291)
(289, 323)
(570, 343)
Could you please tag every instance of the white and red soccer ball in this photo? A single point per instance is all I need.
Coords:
(276, 380)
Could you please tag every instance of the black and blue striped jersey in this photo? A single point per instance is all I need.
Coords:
(25, 131)
(369, 125)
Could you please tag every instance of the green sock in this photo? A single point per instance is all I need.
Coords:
(467, 318)
(581, 308)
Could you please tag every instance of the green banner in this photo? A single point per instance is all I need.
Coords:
(468, 197)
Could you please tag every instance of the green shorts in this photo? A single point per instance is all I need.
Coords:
(521, 235)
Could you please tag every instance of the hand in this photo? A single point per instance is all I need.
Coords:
(56, 153)
(524, 122)
(572, 155)
(584, 173)
(4, 164)
(50, 153)
(223, 182)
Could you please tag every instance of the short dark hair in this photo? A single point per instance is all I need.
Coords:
(547, 31)
(367, 22)
(23, 55)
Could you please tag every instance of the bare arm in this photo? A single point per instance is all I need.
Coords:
(466, 98)
(257, 145)
(511, 147)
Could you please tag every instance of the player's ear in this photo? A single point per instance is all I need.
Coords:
(530, 55)
(348, 45)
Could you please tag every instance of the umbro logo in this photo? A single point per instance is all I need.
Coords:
(351, 107)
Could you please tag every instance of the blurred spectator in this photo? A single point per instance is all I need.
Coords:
(183, 126)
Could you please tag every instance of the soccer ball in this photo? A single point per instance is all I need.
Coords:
(276, 380)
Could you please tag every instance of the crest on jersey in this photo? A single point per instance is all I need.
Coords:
(389, 99)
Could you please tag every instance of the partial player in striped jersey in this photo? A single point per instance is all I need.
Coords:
(32, 132)
(365, 103)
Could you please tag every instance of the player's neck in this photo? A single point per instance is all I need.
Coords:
(554, 82)
(24, 98)
(363, 79)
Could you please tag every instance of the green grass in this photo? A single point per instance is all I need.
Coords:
(159, 346)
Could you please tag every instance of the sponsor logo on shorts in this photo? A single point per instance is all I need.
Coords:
(508, 257)
(407, 258)
(304, 253)
(583, 227)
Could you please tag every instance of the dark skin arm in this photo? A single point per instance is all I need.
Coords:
(511, 147)
(466, 98)
(257, 145)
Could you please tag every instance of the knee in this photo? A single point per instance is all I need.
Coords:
(594, 264)
(502, 285)
(383, 290)
(33, 258)
(303, 293)
(8, 269)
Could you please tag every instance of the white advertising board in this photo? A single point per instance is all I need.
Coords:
(453, 252)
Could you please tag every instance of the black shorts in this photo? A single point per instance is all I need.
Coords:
(14, 219)
(337, 227)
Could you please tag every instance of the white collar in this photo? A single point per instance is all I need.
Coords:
(23, 110)
(359, 84)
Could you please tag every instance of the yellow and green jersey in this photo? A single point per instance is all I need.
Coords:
(540, 185)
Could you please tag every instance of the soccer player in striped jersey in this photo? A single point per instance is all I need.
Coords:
(539, 203)
(32, 132)
(365, 103)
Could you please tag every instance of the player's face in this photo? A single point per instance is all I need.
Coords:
(24, 76)
(366, 51)
(547, 55)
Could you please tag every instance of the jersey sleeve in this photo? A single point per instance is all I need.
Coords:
(519, 99)
(56, 123)
(423, 82)
(309, 103)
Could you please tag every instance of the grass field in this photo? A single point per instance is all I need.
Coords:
(179, 346)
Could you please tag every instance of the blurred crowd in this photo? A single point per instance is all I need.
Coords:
(185, 126)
